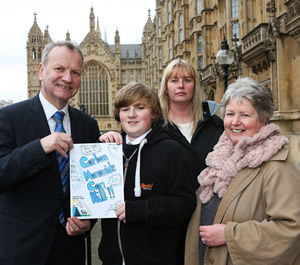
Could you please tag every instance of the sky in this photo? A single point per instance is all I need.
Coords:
(16, 19)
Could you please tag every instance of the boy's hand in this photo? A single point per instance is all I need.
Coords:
(111, 137)
(120, 211)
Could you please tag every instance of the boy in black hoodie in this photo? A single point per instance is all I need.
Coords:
(159, 197)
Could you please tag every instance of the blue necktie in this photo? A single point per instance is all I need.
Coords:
(62, 162)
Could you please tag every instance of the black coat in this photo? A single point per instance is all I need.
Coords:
(204, 139)
(31, 193)
(156, 222)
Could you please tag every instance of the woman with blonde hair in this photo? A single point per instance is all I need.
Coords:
(186, 117)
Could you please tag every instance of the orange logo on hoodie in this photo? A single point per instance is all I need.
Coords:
(146, 186)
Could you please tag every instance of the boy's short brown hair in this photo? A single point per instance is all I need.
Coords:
(137, 92)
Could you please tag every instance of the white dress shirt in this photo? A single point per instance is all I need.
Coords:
(50, 109)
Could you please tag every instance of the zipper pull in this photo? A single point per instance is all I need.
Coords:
(126, 164)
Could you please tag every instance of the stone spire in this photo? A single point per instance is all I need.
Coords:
(98, 28)
(148, 27)
(105, 36)
(47, 37)
(68, 37)
(117, 42)
(35, 34)
(92, 20)
(35, 46)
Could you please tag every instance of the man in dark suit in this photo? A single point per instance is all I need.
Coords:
(31, 189)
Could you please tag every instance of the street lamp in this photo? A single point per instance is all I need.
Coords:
(225, 58)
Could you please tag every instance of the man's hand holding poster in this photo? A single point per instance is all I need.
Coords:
(96, 179)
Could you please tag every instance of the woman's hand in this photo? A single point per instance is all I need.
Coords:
(111, 137)
(213, 235)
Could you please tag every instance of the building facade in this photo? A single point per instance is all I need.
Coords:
(106, 69)
(264, 36)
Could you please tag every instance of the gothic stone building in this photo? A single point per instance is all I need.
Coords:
(264, 36)
(106, 69)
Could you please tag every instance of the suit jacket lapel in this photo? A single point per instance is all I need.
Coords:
(75, 125)
(38, 117)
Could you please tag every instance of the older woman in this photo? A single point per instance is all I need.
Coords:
(248, 203)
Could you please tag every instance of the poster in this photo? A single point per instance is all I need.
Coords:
(96, 180)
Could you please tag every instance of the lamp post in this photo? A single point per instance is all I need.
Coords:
(225, 58)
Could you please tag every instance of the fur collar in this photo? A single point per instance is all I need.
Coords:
(227, 159)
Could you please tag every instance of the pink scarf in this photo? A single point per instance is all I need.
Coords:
(227, 159)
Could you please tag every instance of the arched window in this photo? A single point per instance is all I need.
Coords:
(131, 76)
(235, 21)
(180, 28)
(200, 52)
(236, 31)
(234, 9)
(169, 12)
(200, 62)
(159, 27)
(40, 54)
(123, 77)
(93, 93)
(198, 7)
(200, 45)
(159, 58)
(140, 76)
(33, 54)
(170, 48)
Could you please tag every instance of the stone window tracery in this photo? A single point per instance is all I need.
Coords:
(93, 92)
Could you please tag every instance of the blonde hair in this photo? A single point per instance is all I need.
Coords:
(133, 92)
(196, 103)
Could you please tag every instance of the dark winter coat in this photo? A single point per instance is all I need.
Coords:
(205, 137)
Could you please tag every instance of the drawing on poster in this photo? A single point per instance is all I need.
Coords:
(96, 180)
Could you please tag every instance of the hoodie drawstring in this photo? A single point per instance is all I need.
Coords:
(137, 188)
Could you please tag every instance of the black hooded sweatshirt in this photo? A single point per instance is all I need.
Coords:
(156, 222)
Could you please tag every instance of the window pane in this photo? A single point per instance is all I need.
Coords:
(200, 45)
(198, 7)
(236, 32)
(234, 8)
(169, 12)
(200, 62)
(94, 90)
